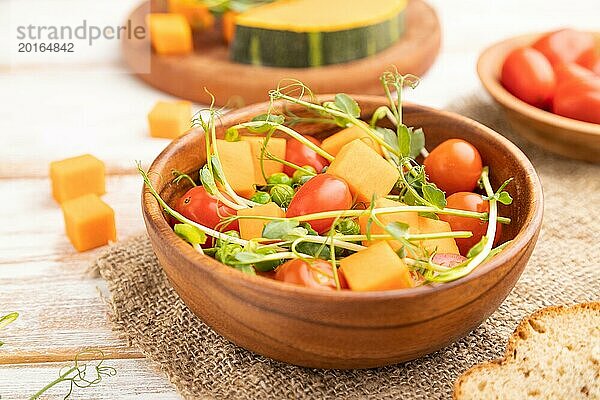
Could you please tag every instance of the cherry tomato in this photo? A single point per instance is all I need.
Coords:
(300, 154)
(324, 192)
(470, 202)
(528, 75)
(199, 206)
(570, 72)
(565, 45)
(316, 274)
(579, 99)
(454, 166)
(448, 259)
(590, 60)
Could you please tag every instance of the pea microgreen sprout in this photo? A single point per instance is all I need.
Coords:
(8, 319)
(192, 235)
(481, 251)
(179, 217)
(179, 176)
(77, 375)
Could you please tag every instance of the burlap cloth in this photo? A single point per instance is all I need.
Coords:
(563, 269)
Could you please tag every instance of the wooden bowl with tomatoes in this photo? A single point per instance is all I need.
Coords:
(311, 327)
(549, 86)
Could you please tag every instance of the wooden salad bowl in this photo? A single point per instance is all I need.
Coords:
(323, 329)
(561, 135)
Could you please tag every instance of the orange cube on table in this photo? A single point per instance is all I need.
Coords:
(366, 172)
(376, 268)
(253, 228)
(89, 222)
(170, 34)
(169, 120)
(76, 176)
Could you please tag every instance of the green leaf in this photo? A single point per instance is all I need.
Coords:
(309, 229)
(190, 234)
(8, 319)
(478, 248)
(404, 140)
(347, 104)
(208, 180)
(504, 198)
(389, 136)
(217, 169)
(399, 230)
(435, 196)
(271, 119)
(232, 135)
(417, 142)
(279, 229)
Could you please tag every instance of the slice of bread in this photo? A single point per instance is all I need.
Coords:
(553, 354)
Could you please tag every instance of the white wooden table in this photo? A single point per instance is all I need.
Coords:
(49, 112)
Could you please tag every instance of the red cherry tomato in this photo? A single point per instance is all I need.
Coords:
(454, 166)
(528, 75)
(301, 155)
(590, 60)
(324, 192)
(579, 99)
(316, 274)
(565, 45)
(199, 206)
(570, 72)
(470, 202)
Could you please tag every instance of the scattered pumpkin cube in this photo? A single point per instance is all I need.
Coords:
(410, 218)
(170, 34)
(376, 268)
(253, 228)
(228, 25)
(428, 225)
(76, 176)
(334, 143)
(238, 166)
(366, 172)
(197, 14)
(89, 222)
(276, 146)
(170, 120)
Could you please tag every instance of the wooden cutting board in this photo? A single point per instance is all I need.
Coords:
(238, 84)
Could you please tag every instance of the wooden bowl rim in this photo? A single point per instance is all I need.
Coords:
(488, 77)
(154, 217)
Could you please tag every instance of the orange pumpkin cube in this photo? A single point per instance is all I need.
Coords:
(411, 218)
(238, 166)
(376, 268)
(76, 176)
(197, 14)
(89, 222)
(366, 172)
(169, 120)
(253, 228)
(428, 225)
(275, 146)
(170, 34)
(334, 143)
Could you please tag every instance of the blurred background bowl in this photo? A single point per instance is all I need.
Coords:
(565, 136)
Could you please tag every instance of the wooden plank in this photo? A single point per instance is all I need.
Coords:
(135, 379)
(46, 280)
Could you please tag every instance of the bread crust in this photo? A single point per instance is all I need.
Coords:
(522, 332)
